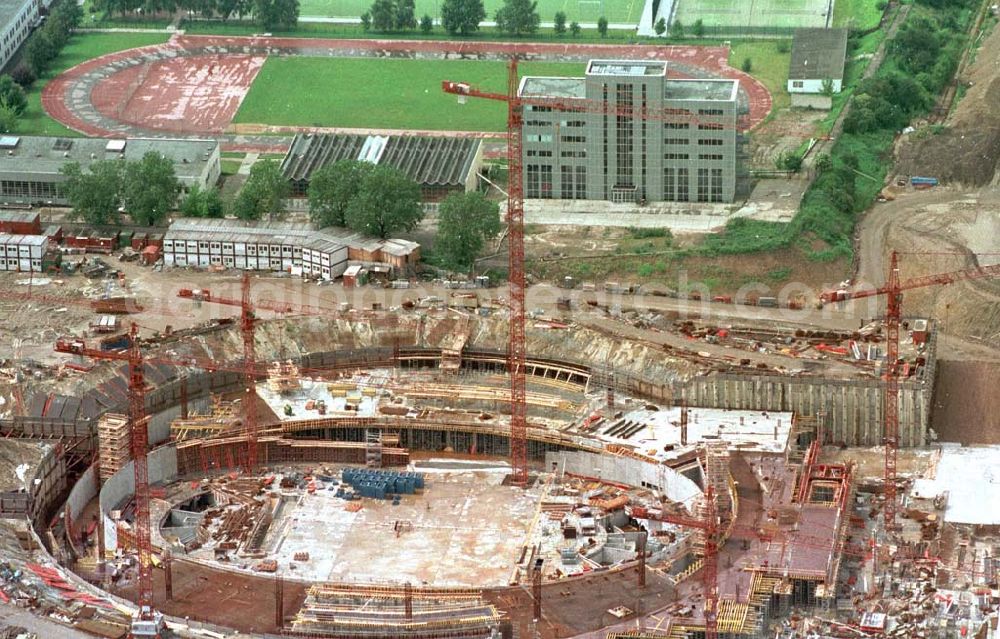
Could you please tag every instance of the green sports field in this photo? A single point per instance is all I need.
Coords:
(583, 11)
(380, 93)
(759, 13)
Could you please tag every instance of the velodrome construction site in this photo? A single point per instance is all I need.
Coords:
(683, 465)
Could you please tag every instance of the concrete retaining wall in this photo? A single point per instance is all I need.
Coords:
(625, 470)
(162, 469)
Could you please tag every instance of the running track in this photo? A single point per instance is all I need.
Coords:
(192, 86)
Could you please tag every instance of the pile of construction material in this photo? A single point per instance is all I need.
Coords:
(383, 484)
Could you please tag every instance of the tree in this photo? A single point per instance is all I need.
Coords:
(676, 29)
(559, 24)
(426, 24)
(331, 189)
(383, 15)
(263, 193)
(23, 74)
(405, 17)
(94, 196)
(386, 202)
(789, 161)
(462, 17)
(602, 26)
(698, 28)
(661, 26)
(12, 95)
(276, 14)
(826, 87)
(574, 29)
(517, 17)
(8, 119)
(747, 65)
(40, 52)
(366, 21)
(466, 222)
(149, 189)
(199, 203)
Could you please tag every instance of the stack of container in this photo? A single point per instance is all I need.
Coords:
(382, 484)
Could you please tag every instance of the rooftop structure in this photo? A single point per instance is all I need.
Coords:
(818, 56)
(30, 166)
(439, 165)
(635, 68)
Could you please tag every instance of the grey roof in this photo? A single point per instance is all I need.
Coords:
(818, 54)
(436, 161)
(35, 155)
(544, 87)
(723, 90)
(229, 230)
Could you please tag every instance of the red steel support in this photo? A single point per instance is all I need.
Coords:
(279, 602)
(515, 242)
(536, 592)
(140, 443)
(247, 323)
(168, 575)
(641, 550)
(893, 317)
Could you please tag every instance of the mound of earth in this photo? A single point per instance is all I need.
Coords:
(967, 150)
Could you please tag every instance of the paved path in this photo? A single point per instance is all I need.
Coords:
(69, 98)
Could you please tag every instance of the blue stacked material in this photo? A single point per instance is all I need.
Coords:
(379, 484)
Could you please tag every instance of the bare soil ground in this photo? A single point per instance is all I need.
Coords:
(946, 229)
(967, 150)
(786, 130)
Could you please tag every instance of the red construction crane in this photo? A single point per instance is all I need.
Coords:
(248, 322)
(147, 622)
(893, 290)
(709, 525)
(515, 264)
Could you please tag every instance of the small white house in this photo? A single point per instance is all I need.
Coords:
(818, 57)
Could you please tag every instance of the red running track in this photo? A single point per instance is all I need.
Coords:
(198, 89)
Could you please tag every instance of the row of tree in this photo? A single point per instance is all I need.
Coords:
(375, 200)
(270, 14)
(46, 43)
(145, 189)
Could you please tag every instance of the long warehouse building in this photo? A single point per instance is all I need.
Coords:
(279, 246)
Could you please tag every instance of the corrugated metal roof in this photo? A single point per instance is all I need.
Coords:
(431, 161)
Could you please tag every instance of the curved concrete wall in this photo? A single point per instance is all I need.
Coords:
(162, 464)
(625, 470)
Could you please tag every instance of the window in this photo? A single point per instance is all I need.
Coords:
(683, 192)
(676, 125)
(669, 179)
(798, 84)
(625, 134)
(716, 185)
(709, 156)
(710, 126)
(538, 109)
(671, 141)
(535, 153)
(574, 182)
(574, 138)
(538, 137)
(580, 153)
(709, 111)
(573, 123)
(710, 142)
(539, 180)
(537, 123)
(676, 156)
(702, 195)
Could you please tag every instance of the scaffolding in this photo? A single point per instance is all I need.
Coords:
(114, 443)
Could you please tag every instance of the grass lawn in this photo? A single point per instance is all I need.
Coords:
(769, 65)
(579, 10)
(82, 47)
(857, 14)
(392, 94)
